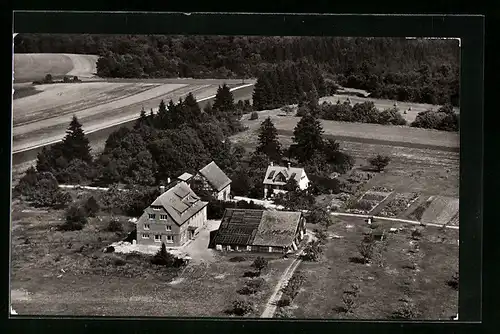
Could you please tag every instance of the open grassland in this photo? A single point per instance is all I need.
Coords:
(34, 66)
(66, 273)
(402, 135)
(386, 280)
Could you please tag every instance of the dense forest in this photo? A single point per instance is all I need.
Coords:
(425, 71)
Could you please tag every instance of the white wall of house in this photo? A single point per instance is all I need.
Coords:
(304, 182)
(223, 195)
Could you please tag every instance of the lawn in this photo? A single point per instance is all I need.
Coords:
(383, 282)
(66, 273)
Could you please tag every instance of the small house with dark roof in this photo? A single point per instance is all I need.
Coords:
(260, 231)
(173, 218)
(277, 177)
(212, 179)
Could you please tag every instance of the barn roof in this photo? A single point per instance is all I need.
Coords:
(215, 176)
(180, 202)
(245, 227)
(185, 177)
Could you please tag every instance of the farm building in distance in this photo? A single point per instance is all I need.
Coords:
(211, 179)
(260, 231)
(173, 218)
(277, 177)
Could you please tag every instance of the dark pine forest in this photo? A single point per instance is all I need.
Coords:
(424, 71)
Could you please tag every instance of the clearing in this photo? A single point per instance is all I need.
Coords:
(66, 273)
(34, 66)
(384, 282)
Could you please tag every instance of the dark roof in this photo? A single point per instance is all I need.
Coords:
(277, 228)
(238, 227)
(215, 176)
(247, 227)
(180, 202)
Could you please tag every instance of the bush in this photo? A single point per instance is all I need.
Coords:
(260, 263)
(163, 258)
(284, 301)
(312, 251)
(246, 290)
(366, 251)
(241, 307)
(92, 207)
(294, 284)
(76, 219)
(114, 225)
(237, 259)
(407, 310)
(254, 115)
(362, 205)
(379, 162)
(119, 262)
(416, 234)
(255, 283)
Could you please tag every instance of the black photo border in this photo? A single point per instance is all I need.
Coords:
(470, 30)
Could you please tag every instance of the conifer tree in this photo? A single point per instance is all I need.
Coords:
(143, 119)
(75, 144)
(192, 112)
(307, 137)
(268, 140)
(224, 100)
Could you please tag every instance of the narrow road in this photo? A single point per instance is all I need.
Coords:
(277, 293)
(398, 220)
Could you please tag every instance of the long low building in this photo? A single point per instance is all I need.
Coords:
(260, 231)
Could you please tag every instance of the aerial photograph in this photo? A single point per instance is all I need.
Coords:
(294, 177)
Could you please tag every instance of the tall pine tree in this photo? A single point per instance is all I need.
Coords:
(268, 141)
(192, 111)
(76, 144)
(143, 119)
(307, 137)
(224, 100)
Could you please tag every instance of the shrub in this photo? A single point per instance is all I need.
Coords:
(254, 115)
(416, 234)
(92, 207)
(114, 225)
(255, 283)
(366, 251)
(251, 274)
(312, 251)
(163, 258)
(407, 310)
(294, 284)
(241, 307)
(379, 162)
(66, 79)
(119, 262)
(246, 290)
(48, 79)
(453, 283)
(76, 218)
(284, 301)
(319, 215)
(362, 205)
(260, 263)
(237, 259)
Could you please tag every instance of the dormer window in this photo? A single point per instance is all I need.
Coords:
(156, 209)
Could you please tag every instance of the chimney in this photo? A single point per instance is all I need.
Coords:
(271, 164)
(162, 189)
(168, 180)
(289, 165)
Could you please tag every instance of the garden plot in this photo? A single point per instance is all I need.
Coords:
(399, 204)
(441, 210)
(370, 200)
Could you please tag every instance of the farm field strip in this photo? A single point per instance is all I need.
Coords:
(34, 66)
(71, 98)
(390, 133)
(98, 121)
(441, 210)
(124, 102)
(398, 204)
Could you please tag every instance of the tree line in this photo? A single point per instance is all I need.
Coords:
(424, 71)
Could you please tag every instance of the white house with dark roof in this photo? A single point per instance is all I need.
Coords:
(212, 179)
(277, 177)
(173, 218)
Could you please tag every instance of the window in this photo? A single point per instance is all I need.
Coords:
(145, 236)
(169, 228)
(163, 217)
(157, 238)
(170, 239)
(152, 216)
(156, 209)
(146, 227)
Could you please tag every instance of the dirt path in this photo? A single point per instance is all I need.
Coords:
(277, 293)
